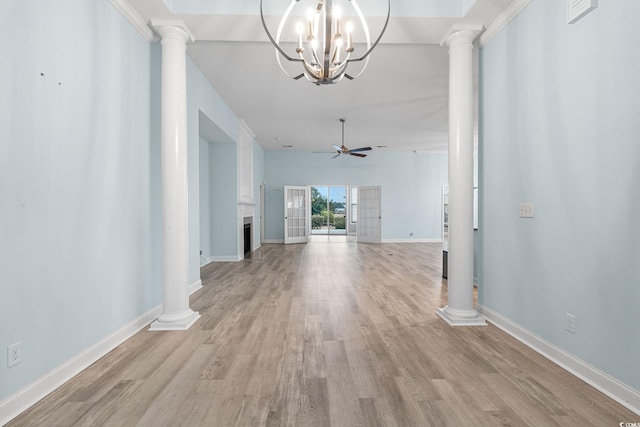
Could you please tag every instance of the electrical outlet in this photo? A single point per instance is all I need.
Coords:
(14, 354)
(570, 322)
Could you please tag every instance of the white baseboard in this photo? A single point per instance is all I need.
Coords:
(20, 401)
(411, 240)
(273, 241)
(616, 390)
(195, 287)
(225, 258)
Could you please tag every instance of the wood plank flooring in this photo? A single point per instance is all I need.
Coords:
(325, 334)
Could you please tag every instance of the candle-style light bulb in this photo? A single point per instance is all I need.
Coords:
(337, 15)
(310, 20)
(349, 36)
(299, 30)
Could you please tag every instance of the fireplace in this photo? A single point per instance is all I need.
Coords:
(247, 233)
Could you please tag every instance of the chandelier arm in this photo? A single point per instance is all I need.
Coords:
(366, 54)
(309, 71)
(275, 44)
(315, 56)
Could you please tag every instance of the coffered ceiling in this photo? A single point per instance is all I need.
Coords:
(399, 103)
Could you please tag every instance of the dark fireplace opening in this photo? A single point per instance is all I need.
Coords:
(247, 238)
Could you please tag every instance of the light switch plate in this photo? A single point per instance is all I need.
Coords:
(526, 210)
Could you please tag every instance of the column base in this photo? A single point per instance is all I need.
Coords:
(461, 318)
(170, 323)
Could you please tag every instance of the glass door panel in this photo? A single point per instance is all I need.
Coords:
(319, 212)
(328, 210)
(337, 210)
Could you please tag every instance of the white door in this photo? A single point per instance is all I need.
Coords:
(295, 214)
(369, 215)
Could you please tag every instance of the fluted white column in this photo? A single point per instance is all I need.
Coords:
(459, 310)
(176, 314)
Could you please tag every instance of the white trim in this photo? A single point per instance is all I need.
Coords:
(453, 319)
(20, 401)
(134, 18)
(225, 258)
(616, 390)
(266, 241)
(436, 240)
(502, 20)
(195, 287)
(156, 24)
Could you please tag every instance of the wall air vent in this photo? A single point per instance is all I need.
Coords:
(576, 9)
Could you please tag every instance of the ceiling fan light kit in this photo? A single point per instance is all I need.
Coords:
(322, 48)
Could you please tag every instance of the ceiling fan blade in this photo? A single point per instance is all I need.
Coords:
(358, 154)
(337, 155)
(338, 149)
(360, 149)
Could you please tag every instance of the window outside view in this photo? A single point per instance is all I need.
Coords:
(328, 210)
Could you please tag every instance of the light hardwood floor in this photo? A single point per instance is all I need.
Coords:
(325, 334)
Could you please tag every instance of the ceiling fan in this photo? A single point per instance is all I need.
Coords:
(345, 150)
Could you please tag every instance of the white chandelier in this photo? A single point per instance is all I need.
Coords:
(322, 48)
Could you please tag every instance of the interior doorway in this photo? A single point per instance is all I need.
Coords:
(329, 207)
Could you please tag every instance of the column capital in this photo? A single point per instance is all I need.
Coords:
(462, 32)
(173, 29)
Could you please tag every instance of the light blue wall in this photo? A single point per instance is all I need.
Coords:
(223, 159)
(258, 178)
(75, 201)
(203, 100)
(205, 199)
(560, 126)
(411, 187)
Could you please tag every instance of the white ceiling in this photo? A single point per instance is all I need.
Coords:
(400, 102)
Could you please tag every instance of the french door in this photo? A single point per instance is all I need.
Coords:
(369, 215)
(295, 214)
(328, 209)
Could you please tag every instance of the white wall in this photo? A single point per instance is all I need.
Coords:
(411, 187)
(559, 127)
(75, 199)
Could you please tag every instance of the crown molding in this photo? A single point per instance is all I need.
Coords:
(125, 8)
(502, 20)
(473, 29)
(245, 130)
(156, 24)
